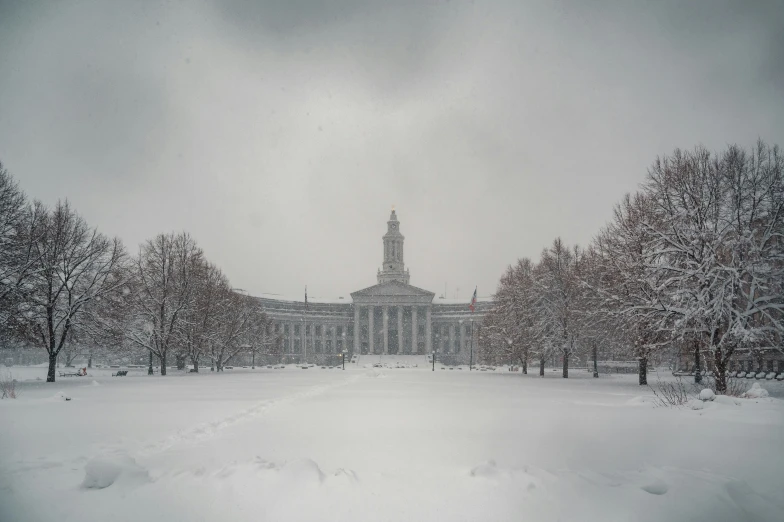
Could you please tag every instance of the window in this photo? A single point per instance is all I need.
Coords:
(318, 346)
(318, 329)
(421, 330)
(286, 329)
(340, 331)
(296, 329)
(328, 346)
(339, 343)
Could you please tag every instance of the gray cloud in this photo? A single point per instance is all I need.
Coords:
(280, 133)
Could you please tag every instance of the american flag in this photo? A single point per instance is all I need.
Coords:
(473, 301)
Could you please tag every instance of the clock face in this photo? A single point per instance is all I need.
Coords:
(394, 226)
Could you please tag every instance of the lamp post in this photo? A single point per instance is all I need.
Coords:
(344, 348)
(511, 356)
(433, 357)
(343, 356)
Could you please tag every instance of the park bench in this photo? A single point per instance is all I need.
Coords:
(120, 373)
(77, 373)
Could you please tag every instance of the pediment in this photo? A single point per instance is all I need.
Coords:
(392, 289)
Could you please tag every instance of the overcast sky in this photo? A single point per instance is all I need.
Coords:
(281, 135)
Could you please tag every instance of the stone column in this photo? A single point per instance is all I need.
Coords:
(385, 310)
(400, 330)
(334, 339)
(370, 328)
(291, 337)
(428, 331)
(357, 341)
(462, 337)
(304, 341)
(451, 337)
(414, 330)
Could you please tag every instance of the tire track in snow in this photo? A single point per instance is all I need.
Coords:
(209, 430)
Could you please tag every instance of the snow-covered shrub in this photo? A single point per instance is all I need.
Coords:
(706, 395)
(755, 392)
(669, 394)
(8, 387)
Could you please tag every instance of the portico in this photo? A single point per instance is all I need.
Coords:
(404, 311)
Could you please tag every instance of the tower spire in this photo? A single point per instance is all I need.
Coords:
(393, 268)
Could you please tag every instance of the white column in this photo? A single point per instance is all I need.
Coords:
(399, 329)
(414, 327)
(370, 329)
(356, 330)
(304, 341)
(428, 331)
(385, 310)
(452, 338)
(291, 337)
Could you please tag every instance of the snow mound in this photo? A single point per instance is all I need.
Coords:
(375, 372)
(102, 472)
(95, 383)
(725, 399)
(706, 395)
(486, 469)
(755, 392)
(57, 397)
(695, 404)
(641, 401)
(657, 487)
(302, 471)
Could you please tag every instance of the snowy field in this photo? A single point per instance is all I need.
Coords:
(382, 444)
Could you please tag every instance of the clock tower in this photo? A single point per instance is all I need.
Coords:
(393, 268)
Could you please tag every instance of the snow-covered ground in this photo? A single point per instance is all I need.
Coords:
(381, 444)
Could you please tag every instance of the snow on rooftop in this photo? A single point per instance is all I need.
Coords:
(311, 299)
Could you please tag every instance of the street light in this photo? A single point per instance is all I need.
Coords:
(343, 356)
(433, 356)
(511, 356)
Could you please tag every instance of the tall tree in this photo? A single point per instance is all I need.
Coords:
(73, 266)
(165, 276)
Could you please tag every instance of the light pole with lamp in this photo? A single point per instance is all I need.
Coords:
(433, 357)
(345, 349)
(511, 356)
(343, 356)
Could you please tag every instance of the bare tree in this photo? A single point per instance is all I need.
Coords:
(558, 287)
(73, 266)
(164, 279)
(717, 237)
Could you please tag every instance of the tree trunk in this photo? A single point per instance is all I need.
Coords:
(90, 361)
(697, 368)
(52, 365)
(595, 362)
(149, 368)
(195, 361)
(566, 365)
(163, 363)
(541, 366)
(720, 372)
(180, 362)
(525, 364)
(642, 371)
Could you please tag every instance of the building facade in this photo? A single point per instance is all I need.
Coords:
(390, 318)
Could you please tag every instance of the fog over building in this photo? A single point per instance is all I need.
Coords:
(392, 317)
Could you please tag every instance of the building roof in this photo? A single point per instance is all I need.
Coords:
(392, 288)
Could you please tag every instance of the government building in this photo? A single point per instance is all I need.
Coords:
(391, 318)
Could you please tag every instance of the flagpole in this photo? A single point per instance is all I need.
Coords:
(471, 360)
